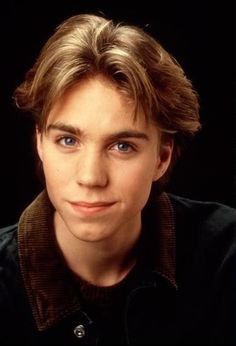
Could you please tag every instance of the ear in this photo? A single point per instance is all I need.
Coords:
(163, 159)
(39, 144)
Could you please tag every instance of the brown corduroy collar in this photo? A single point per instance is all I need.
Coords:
(49, 283)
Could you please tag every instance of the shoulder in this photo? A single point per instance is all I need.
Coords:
(7, 237)
(207, 227)
(8, 247)
(13, 300)
(205, 234)
(196, 204)
(206, 262)
(214, 215)
(10, 277)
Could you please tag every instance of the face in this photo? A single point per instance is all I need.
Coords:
(99, 163)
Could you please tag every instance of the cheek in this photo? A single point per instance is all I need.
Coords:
(54, 173)
(144, 170)
(135, 182)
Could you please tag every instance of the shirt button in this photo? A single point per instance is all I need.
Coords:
(79, 331)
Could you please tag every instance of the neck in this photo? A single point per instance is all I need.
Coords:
(102, 263)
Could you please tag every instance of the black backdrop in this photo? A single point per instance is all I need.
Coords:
(200, 34)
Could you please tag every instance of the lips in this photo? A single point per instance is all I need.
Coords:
(89, 208)
(92, 204)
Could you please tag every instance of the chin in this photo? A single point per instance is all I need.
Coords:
(91, 235)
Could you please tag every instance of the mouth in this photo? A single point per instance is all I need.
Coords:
(88, 209)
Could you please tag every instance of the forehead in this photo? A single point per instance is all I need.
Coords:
(97, 101)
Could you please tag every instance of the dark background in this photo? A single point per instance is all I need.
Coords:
(200, 35)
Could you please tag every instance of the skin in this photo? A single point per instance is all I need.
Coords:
(93, 151)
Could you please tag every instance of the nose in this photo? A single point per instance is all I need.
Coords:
(92, 169)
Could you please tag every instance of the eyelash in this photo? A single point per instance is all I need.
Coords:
(131, 147)
(60, 139)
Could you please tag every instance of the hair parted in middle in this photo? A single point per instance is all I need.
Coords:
(85, 45)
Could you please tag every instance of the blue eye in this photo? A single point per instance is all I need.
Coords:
(67, 141)
(123, 147)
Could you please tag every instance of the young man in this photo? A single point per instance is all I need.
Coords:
(104, 255)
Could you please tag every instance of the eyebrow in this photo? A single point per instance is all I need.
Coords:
(113, 136)
(64, 127)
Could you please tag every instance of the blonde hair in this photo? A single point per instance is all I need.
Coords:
(86, 45)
